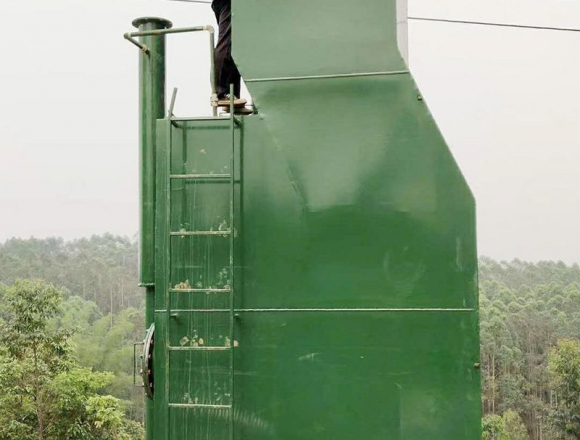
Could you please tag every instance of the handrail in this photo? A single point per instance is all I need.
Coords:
(130, 36)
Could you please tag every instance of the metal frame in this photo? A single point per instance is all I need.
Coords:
(135, 345)
(130, 36)
(164, 229)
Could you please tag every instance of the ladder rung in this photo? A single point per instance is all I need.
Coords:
(199, 405)
(196, 311)
(205, 119)
(227, 118)
(200, 290)
(201, 233)
(199, 348)
(206, 177)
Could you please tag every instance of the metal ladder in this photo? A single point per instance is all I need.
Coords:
(196, 349)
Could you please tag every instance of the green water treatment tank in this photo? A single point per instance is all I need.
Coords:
(315, 264)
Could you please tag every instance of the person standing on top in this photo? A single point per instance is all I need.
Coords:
(226, 71)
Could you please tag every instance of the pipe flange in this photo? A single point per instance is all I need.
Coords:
(147, 362)
(160, 23)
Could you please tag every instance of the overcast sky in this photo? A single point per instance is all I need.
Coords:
(507, 101)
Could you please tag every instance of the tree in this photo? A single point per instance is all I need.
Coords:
(100, 268)
(46, 395)
(564, 369)
(513, 426)
(506, 427)
(525, 308)
(492, 427)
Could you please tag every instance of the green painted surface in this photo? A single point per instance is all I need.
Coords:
(194, 341)
(368, 205)
(355, 282)
(305, 37)
(349, 375)
(151, 107)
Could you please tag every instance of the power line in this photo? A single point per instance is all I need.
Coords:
(192, 1)
(443, 20)
(486, 23)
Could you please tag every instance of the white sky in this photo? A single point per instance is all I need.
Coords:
(507, 101)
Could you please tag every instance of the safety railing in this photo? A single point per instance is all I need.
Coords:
(130, 36)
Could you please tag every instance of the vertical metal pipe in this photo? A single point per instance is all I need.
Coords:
(212, 72)
(151, 108)
(232, 249)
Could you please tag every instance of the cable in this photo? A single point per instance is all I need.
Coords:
(485, 23)
(192, 1)
(443, 20)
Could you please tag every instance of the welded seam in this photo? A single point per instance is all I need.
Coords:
(324, 310)
(338, 75)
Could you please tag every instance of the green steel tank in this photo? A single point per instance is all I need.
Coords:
(311, 270)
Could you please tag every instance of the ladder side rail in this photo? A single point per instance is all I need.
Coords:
(167, 233)
(232, 243)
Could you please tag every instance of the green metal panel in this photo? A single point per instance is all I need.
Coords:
(349, 375)
(355, 279)
(359, 308)
(359, 301)
(380, 214)
(315, 37)
(151, 107)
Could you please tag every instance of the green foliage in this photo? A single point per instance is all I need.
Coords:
(506, 427)
(492, 427)
(525, 310)
(29, 305)
(513, 426)
(102, 269)
(102, 305)
(564, 369)
(106, 344)
(83, 413)
(46, 394)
